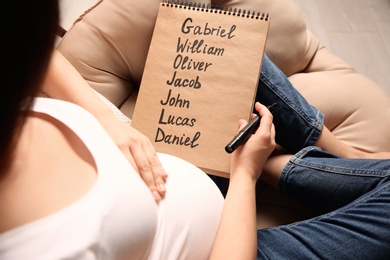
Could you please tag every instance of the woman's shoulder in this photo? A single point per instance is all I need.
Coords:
(76, 118)
(51, 168)
(62, 110)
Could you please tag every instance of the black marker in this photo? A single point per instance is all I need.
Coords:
(246, 132)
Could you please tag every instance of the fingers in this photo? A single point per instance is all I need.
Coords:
(139, 151)
(263, 112)
(155, 162)
(267, 128)
(241, 124)
(149, 167)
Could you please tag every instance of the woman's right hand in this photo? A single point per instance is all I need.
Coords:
(250, 157)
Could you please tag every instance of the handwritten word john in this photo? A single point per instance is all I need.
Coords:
(175, 101)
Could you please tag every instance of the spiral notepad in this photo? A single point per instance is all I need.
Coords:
(200, 78)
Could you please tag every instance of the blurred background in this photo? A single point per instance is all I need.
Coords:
(357, 31)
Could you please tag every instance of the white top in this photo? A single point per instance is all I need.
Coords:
(118, 218)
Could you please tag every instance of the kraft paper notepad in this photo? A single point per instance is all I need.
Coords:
(200, 78)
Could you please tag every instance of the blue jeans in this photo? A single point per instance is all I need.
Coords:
(353, 194)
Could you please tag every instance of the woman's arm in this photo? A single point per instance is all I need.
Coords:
(237, 236)
(64, 82)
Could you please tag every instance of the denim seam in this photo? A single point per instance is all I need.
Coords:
(291, 164)
(341, 170)
(316, 125)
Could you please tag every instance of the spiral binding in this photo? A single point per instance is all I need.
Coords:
(215, 9)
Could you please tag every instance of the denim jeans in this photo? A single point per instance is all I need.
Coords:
(352, 194)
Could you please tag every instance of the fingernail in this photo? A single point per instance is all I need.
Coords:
(161, 187)
(164, 175)
(156, 195)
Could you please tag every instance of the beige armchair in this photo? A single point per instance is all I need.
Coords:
(108, 45)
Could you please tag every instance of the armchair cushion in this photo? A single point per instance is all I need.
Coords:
(108, 44)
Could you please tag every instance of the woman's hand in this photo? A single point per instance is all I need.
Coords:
(249, 158)
(140, 152)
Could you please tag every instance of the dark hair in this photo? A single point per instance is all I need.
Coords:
(28, 42)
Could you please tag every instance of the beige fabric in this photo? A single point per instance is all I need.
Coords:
(356, 109)
(109, 44)
(288, 44)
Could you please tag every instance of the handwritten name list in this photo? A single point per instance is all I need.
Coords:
(200, 78)
(183, 62)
